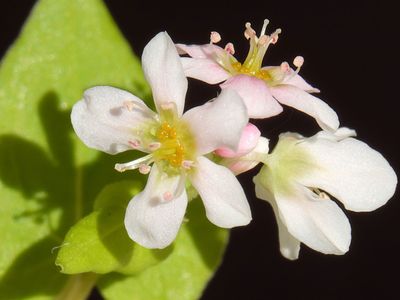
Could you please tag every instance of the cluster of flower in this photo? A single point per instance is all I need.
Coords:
(205, 147)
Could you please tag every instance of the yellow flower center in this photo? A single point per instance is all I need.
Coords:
(176, 147)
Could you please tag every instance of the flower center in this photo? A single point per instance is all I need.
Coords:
(170, 143)
(252, 65)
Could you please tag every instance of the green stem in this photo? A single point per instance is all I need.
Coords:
(78, 287)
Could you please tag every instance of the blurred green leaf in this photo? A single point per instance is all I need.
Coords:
(198, 251)
(48, 178)
(99, 242)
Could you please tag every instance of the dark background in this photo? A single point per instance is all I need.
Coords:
(351, 53)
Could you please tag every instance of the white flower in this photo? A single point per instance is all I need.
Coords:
(112, 120)
(299, 172)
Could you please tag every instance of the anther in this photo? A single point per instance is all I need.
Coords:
(230, 49)
(129, 105)
(167, 196)
(134, 144)
(119, 167)
(154, 146)
(215, 37)
(298, 61)
(285, 67)
(144, 169)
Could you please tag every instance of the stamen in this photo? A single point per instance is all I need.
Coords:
(167, 196)
(129, 105)
(298, 61)
(134, 144)
(144, 169)
(154, 146)
(187, 164)
(230, 49)
(285, 67)
(249, 32)
(148, 159)
(266, 22)
(275, 35)
(215, 37)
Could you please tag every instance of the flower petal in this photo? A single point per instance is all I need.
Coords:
(209, 51)
(103, 121)
(218, 123)
(247, 162)
(223, 197)
(288, 244)
(255, 94)
(204, 69)
(318, 223)
(151, 220)
(164, 72)
(351, 171)
(292, 96)
(248, 141)
(298, 81)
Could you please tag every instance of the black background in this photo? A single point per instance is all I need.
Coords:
(351, 53)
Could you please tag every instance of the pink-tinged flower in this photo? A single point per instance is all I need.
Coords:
(113, 120)
(250, 152)
(263, 89)
(300, 172)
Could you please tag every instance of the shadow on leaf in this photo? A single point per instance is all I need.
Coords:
(54, 181)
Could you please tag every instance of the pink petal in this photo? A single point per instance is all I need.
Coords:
(292, 96)
(204, 69)
(218, 123)
(247, 162)
(163, 70)
(255, 94)
(248, 141)
(209, 51)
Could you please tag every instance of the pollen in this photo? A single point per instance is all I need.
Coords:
(175, 145)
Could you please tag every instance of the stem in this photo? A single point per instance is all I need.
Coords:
(78, 287)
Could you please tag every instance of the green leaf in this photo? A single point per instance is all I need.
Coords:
(197, 253)
(99, 242)
(48, 178)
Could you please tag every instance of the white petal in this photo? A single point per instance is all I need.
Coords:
(103, 122)
(163, 70)
(204, 69)
(318, 223)
(151, 220)
(223, 197)
(300, 83)
(218, 123)
(351, 171)
(255, 94)
(288, 244)
(292, 96)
